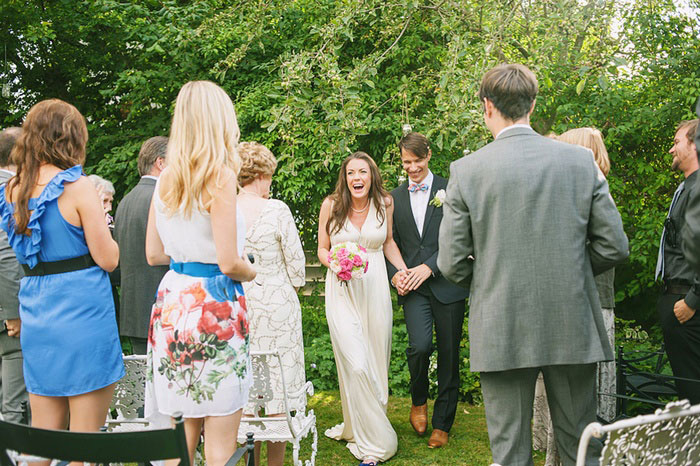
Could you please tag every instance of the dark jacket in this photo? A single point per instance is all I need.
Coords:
(422, 249)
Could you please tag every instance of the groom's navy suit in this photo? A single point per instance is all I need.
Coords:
(435, 301)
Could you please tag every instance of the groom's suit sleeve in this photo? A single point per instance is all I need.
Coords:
(455, 240)
(390, 269)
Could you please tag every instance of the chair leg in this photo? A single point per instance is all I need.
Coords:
(250, 446)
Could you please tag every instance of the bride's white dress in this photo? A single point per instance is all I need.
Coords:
(359, 319)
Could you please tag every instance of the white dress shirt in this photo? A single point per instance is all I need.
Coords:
(419, 201)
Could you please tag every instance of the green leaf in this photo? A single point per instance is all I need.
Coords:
(579, 87)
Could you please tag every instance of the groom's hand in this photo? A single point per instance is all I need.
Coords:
(416, 276)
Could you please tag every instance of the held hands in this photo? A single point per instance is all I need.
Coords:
(13, 327)
(682, 311)
(411, 279)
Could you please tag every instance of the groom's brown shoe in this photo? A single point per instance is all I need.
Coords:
(419, 418)
(437, 439)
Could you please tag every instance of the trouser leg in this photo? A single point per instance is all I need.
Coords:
(139, 345)
(14, 392)
(571, 394)
(448, 335)
(419, 325)
(682, 343)
(508, 398)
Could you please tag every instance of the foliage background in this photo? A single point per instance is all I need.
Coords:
(316, 79)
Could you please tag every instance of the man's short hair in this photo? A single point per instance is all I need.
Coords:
(151, 150)
(415, 143)
(691, 127)
(8, 137)
(511, 88)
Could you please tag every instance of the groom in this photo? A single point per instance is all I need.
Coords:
(427, 298)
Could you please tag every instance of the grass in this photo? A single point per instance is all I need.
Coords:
(468, 445)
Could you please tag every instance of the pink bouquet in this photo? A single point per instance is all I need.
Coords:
(348, 260)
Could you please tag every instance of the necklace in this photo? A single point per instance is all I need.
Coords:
(362, 209)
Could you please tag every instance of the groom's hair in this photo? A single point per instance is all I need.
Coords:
(691, 127)
(511, 88)
(415, 143)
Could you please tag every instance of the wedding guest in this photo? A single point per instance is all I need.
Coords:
(691, 230)
(139, 281)
(12, 390)
(274, 311)
(680, 300)
(55, 223)
(527, 221)
(543, 433)
(592, 139)
(105, 189)
(198, 355)
(427, 298)
(359, 311)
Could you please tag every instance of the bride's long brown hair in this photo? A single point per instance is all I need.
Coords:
(342, 201)
(53, 133)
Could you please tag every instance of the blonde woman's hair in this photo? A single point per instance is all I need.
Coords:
(203, 139)
(592, 139)
(256, 160)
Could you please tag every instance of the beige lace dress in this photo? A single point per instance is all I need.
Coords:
(274, 312)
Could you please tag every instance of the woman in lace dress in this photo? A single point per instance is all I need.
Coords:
(359, 311)
(274, 311)
(198, 361)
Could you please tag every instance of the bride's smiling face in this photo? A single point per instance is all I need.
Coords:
(359, 178)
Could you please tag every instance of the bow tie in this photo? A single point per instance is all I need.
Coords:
(413, 187)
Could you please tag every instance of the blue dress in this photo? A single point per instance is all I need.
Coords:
(69, 331)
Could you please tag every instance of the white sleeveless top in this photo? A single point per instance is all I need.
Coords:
(191, 240)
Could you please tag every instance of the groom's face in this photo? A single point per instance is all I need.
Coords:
(416, 168)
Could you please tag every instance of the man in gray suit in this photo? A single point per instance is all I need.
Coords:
(12, 389)
(139, 281)
(691, 230)
(527, 222)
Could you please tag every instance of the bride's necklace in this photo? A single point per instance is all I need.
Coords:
(362, 209)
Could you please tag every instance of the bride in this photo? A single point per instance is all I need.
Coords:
(360, 314)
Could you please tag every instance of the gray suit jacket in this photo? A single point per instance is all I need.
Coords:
(538, 219)
(691, 230)
(10, 272)
(139, 281)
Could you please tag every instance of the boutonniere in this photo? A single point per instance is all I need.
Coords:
(439, 198)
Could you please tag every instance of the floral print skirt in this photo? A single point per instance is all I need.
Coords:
(198, 356)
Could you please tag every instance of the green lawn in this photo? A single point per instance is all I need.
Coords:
(469, 443)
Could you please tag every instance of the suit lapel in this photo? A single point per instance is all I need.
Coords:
(430, 208)
(405, 205)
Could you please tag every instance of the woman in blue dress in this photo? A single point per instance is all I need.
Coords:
(55, 224)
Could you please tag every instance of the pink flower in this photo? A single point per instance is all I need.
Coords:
(342, 253)
(345, 265)
(345, 275)
(366, 266)
(357, 260)
(362, 248)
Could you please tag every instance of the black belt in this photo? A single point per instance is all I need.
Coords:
(54, 267)
(676, 288)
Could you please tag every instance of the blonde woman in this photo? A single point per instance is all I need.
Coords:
(592, 139)
(198, 361)
(273, 304)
